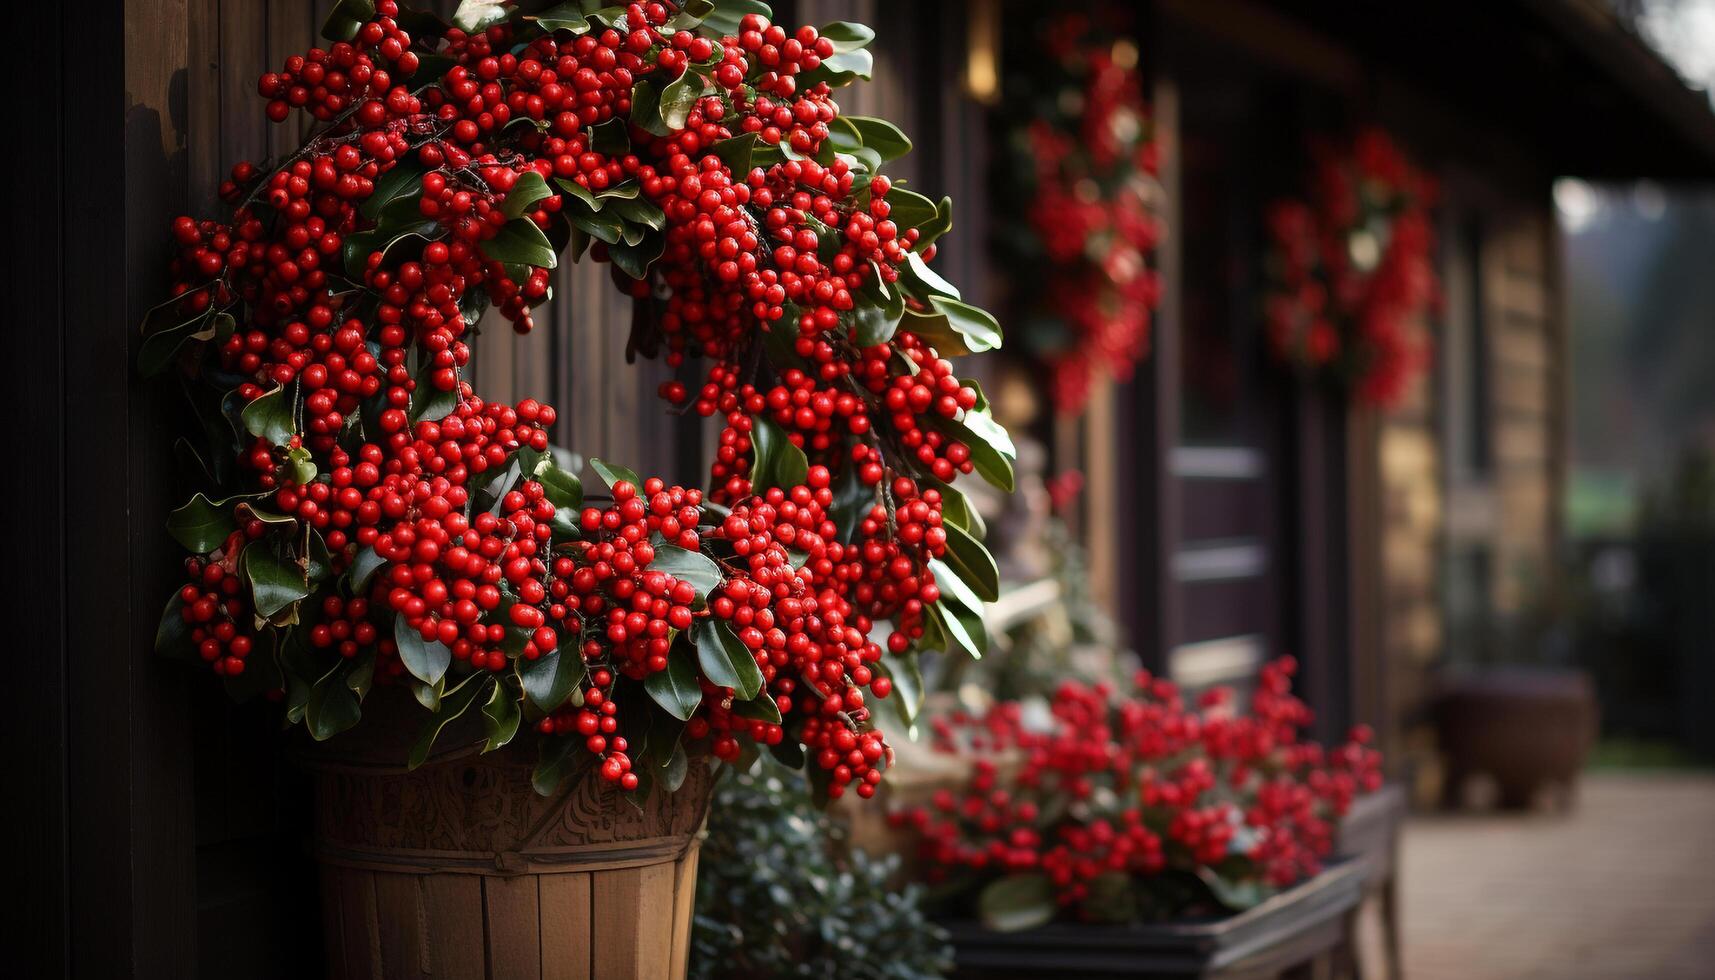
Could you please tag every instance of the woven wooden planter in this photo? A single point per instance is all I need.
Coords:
(460, 870)
(1297, 930)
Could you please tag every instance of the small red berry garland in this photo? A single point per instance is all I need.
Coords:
(1085, 155)
(1352, 269)
(1141, 807)
(381, 523)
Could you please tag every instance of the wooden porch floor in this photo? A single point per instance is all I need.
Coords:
(1623, 888)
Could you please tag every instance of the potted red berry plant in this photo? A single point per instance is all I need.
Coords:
(1141, 835)
(548, 678)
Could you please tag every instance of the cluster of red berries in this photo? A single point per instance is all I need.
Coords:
(1354, 271)
(392, 452)
(212, 605)
(1154, 784)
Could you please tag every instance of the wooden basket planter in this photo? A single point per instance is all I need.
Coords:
(1303, 926)
(461, 870)
(1525, 728)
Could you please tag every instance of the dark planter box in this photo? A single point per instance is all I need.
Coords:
(1524, 727)
(1288, 930)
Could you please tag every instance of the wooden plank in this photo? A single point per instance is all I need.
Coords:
(243, 58)
(402, 929)
(333, 927)
(563, 903)
(684, 900)
(628, 907)
(358, 924)
(454, 904)
(509, 907)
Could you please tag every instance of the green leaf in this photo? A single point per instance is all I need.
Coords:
(852, 500)
(162, 343)
(957, 509)
(678, 98)
(636, 210)
(363, 567)
(726, 661)
(453, 704)
(500, 718)
(923, 282)
(1235, 895)
(1017, 902)
(881, 136)
(724, 19)
(554, 761)
(676, 688)
(610, 138)
(871, 325)
(402, 183)
(611, 474)
(520, 241)
(992, 452)
(646, 108)
(346, 18)
(688, 566)
(570, 16)
(474, 16)
(634, 259)
(777, 463)
(909, 209)
(427, 660)
(274, 584)
(674, 770)
(202, 525)
(760, 708)
(972, 563)
(173, 634)
(564, 490)
(788, 753)
(333, 706)
(272, 417)
(840, 69)
(601, 225)
(907, 677)
(847, 36)
(957, 631)
(551, 678)
(736, 153)
(529, 189)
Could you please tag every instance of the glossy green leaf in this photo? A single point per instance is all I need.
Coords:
(564, 490)
(881, 136)
(272, 417)
(612, 473)
(634, 259)
(674, 770)
(907, 677)
(603, 226)
(172, 633)
(646, 108)
(907, 208)
(346, 18)
(725, 660)
(475, 16)
(520, 241)
(610, 138)
(202, 525)
(526, 192)
(427, 660)
(972, 562)
(1020, 901)
(736, 153)
(333, 707)
(453, 704)
(274, 583)
(923, 282)
(676, 688)
(872, 325)
(688, 566)
(555, 760)
(500, 717)
(777, 462)
(552, 677)
(724, 19)
(402, 183)
(161, 344)
(847, 36)
(678, 98)
(760, 708)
